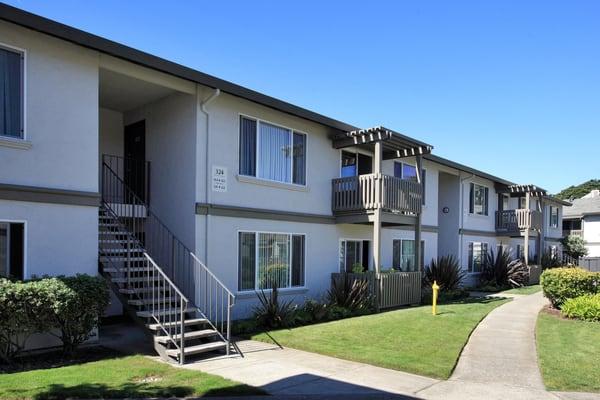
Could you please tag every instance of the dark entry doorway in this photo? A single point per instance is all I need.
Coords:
(135, 158)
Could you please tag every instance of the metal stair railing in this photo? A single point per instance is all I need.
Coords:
(176, 260)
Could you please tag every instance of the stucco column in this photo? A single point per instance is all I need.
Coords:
(419, 169)
(526, 244)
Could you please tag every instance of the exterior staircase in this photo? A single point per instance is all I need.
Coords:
(183, 307)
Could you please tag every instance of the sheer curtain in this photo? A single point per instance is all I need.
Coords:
(275, 153)
(273, 260)
(10, 93)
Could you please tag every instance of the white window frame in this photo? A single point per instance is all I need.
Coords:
(486, 205)
(25, 242)
(402, 240)
(345, 240)
(291, 131)
(471, 267)
(10, 141)
(550, 223)
(256, 241)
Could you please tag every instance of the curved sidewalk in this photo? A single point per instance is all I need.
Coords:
(500, 358)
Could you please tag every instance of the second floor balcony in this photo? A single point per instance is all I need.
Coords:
(369, 192)
(515, 222)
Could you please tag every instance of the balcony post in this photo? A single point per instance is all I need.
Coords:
(419, 169)
(527, 227)
(377, 216)
(542, 232)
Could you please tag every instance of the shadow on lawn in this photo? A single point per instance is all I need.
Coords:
(130, 390)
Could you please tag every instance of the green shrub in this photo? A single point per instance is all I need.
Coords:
(271, 313)
(71, 304)
(446, 272)
(561, 284)
(447, 296)
(500, 271)
(574, 246)
(315, 311)
(586, 307)
(357, 268)
(352, 294)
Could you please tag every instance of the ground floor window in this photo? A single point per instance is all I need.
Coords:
(354, 254)
(12, 246)
(403, 258)
(477, 253)
(268, 259)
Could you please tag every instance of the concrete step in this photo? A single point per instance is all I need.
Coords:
(121, 259)
(187, 322)
(144, 302)
(201, 348)
(188, 336)
(158, 313)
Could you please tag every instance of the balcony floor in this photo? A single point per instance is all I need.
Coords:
(367, 217)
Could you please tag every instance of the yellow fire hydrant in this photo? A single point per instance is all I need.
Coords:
(435, 288)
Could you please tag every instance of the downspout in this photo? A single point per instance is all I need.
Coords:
(462, 218)
(207, 191)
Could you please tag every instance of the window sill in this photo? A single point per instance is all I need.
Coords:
(285, 291)
(15, 143)
(275, 184)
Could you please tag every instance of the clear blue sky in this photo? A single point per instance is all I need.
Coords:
(506, 87)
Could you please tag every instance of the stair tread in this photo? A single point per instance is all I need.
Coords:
(122, 250)
(124, 270)
(142, 302)
(148, 314)
(144, 289)
(188, 335)
(136, 279)
(201, 348)
(118, 259)
(186, 322)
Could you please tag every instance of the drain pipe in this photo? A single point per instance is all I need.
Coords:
(462, 218)
(207, 198)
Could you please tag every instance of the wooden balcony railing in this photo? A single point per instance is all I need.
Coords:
(374, 191)
(518, 220)
(575, 232)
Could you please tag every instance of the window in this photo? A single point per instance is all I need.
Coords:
(503, 202)
(354, 252)
(477, 252)
(404, 255)
(271, 152)
(479, 196)
(409, 172)
(553, 217)
(265, 259)
(522, 203)
(520, 252)
(12, 240)
(354, 164)
(11, 93)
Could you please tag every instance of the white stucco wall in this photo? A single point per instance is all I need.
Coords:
(323, 162)
(448, 195)
(479, 222)
(170, 149)
(591, 234)
(61, 114)
(59, 239)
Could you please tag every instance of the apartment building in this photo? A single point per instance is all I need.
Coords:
(583, 219)
(192, 193)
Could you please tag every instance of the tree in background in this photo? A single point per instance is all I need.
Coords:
(574, 246)
(578, 191)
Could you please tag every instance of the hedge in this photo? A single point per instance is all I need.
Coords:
(586, 307)
(561, 284)
(71, 305)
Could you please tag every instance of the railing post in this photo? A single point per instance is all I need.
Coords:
(181, 332)
(228, 323)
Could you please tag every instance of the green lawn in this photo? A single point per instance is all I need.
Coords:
(524, 290)
(409, 340)
(569, 353)
(132, 376)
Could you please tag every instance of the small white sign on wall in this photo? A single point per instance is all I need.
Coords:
(219, 179)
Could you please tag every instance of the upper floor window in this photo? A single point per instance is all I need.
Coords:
(409, 172)
(477, 254)
(272, 152)
(478, 202)
(270, 259)
(11, 93)
(12, 245)
(354, 164)
(553, 217)
(522, 203)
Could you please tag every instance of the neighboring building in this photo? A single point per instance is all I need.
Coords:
(186, 190)
(583, 219)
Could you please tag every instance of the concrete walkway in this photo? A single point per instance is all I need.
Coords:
(498, 362)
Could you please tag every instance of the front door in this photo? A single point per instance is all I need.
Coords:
(135, 158)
